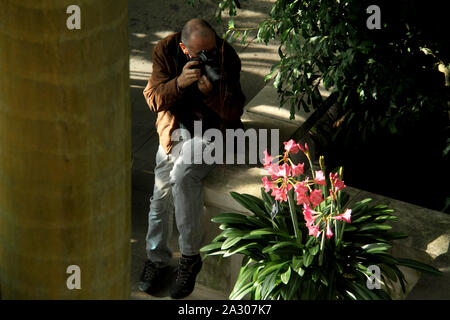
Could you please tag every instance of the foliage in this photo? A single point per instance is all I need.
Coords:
(386, 81)
(382, 77)
(288, 255)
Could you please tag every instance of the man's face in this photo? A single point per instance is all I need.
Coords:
(198, 43)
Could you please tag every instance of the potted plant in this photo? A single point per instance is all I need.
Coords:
(303, 242)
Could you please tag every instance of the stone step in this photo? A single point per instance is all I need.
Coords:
(267, 103)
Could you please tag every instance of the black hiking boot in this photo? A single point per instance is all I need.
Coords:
(150, 281)
(187, 271)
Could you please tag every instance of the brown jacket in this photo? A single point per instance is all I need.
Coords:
(162, 96)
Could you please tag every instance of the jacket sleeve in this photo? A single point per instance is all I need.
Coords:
(228, 99)
(161, 90)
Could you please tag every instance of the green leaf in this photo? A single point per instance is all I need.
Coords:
(374, 226)
(388, 271)
(386, 217)
(286, 276)
(268, 284)
(242, 292)
(348, 228)
(395, 236)
(400, 276)
(296, 262)
(245, 273)
(211, 247)
(233, 232)
(308, 259)
(291, 291)
(419, 266)
(228, 243)
(361, 219)
(277, 81)
(272, 266)
(266, 197)
(360, 205)
(231, 218)
(240, 249)
(282, 244)
(360, 292)
(251, 203)
(385, 258)
(376, 247)
(258, 222)
(266, 231)
(323, 279)
(314, 250)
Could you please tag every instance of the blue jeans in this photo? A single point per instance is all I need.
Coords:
(173, 176)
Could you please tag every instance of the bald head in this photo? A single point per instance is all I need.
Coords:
(196, 29)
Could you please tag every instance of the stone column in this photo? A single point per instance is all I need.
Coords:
(65, 150)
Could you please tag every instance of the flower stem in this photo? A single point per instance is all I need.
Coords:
(311, 167)
(290, 196)
(341, 232)
(322, 246)
(341, 224)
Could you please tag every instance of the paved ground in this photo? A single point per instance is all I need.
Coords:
(149, 21)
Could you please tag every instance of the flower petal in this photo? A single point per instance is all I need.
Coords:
(316, 197)
(329, 233)
(320, 178)
(290, 146)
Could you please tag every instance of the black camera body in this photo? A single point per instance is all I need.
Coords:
(208, 64)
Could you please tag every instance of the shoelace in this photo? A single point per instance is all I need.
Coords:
(150, 270)
(183, 274)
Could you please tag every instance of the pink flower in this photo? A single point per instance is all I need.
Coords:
(301, 187)
(297, 169)
(300, 190)
(316, 197)
(267, 159)
(302, 199)
(314, 231)
(320, 178)
(333, 176)
(338, 184)
(308, 214)
(267, 184)
(304, 149)
(279, 193)
(329, 233)
(291, 146)
(284, 170)
(273, 170)
(346, 216)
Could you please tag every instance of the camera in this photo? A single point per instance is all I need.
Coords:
(208, 65)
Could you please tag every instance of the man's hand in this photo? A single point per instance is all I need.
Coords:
(188, 75)
(204, 85)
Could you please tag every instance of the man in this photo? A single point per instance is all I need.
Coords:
(180, 93)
